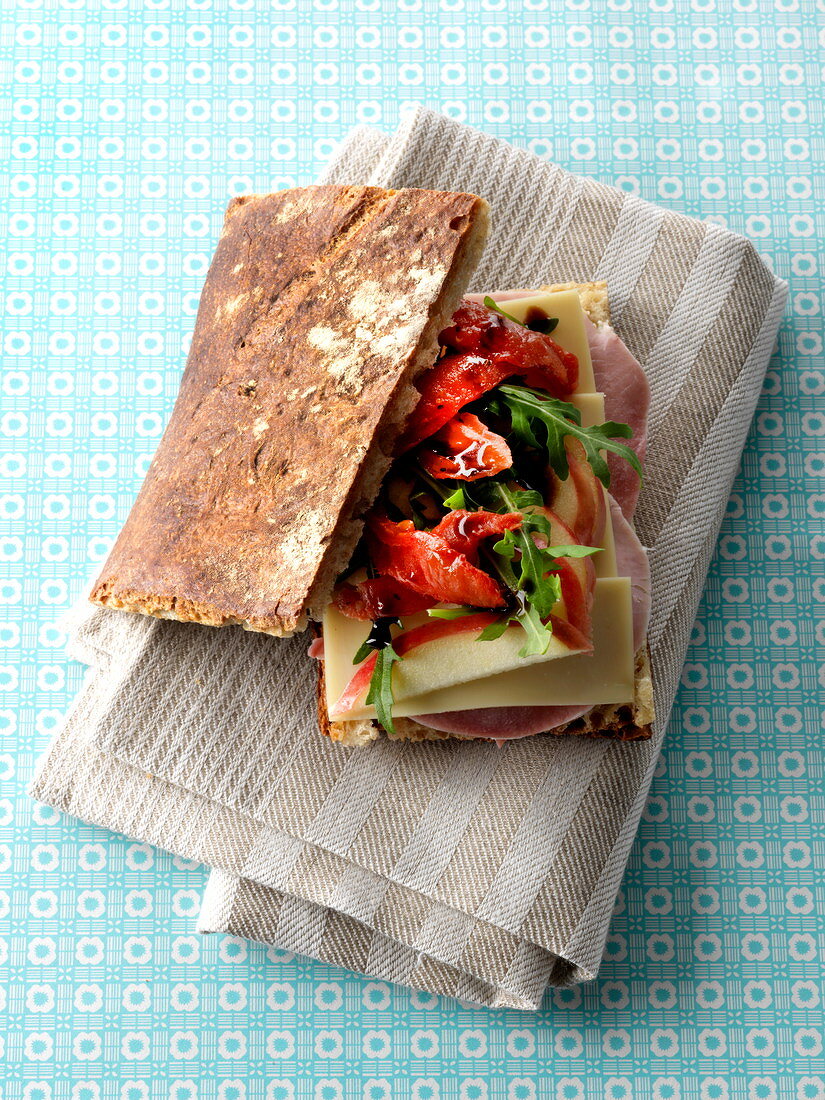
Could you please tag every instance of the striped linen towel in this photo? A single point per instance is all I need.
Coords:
(449, 866)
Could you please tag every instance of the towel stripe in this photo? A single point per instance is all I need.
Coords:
(627, 252)
(350, 800)
(445, 820)
(533, 850)
(660, 283)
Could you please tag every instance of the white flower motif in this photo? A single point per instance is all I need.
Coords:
(232, 1044)
(807, 1042)
(570, 1088)
(760, 1042)
(184, 1045)
(232, 996)
(135, 1046)
(329, 1044)
(472, 1043)
(569, 1043)
(40, 998)
(280, 1044)
(87, 1046)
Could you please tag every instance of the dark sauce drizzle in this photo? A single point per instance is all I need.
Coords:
(538, 321)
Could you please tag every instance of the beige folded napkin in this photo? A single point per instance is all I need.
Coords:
(452, 866)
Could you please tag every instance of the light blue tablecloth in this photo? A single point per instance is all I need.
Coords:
(125, 128)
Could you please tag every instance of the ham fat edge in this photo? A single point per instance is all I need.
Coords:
(414, 558)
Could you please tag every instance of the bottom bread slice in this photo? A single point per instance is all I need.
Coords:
(631, 721)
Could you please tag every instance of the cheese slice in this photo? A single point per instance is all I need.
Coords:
(569, 333)
(590, 405)
(461, 673)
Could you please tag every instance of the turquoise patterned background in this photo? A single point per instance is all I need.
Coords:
(126, 126)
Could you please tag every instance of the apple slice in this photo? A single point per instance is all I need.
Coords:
(578, 499)
(577, 576)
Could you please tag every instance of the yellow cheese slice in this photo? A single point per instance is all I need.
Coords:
(460, 673)
(591, 406)
(569, 333)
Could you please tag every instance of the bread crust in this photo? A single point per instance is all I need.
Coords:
(321, 306)
(632, 721)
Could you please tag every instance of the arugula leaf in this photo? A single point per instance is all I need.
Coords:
(538, 633)
(451, 612)
(525, 614)
(572, 551)
(456, 499)
(380, 692)
(531, 578)
(419, 517)
(495, 630)
(531, 410)
(526, 498)
(379, 636)
(541, 590)
(491, 303)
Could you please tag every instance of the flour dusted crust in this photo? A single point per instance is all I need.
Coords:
(631, 721)
(321, 306)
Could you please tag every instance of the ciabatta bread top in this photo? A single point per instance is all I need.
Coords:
(321, 306)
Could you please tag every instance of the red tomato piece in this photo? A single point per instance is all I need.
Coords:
(474, 327)
(379, 597)
(452, 383)
(426, 562)
(465, 531)
(485, 349)
(535, 357)
(473, 450)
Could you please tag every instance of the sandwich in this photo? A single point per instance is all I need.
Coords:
(439, 485)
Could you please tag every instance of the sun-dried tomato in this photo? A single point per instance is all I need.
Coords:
(473, 450)
(534, 356)
(465, 531)
(379, 598)
(426, 562)
(445, 389)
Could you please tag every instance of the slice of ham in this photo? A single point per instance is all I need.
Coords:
(631, 561)
(620, 378)
(507, 723)
(501, 723)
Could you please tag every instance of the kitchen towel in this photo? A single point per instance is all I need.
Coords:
(456, 867)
